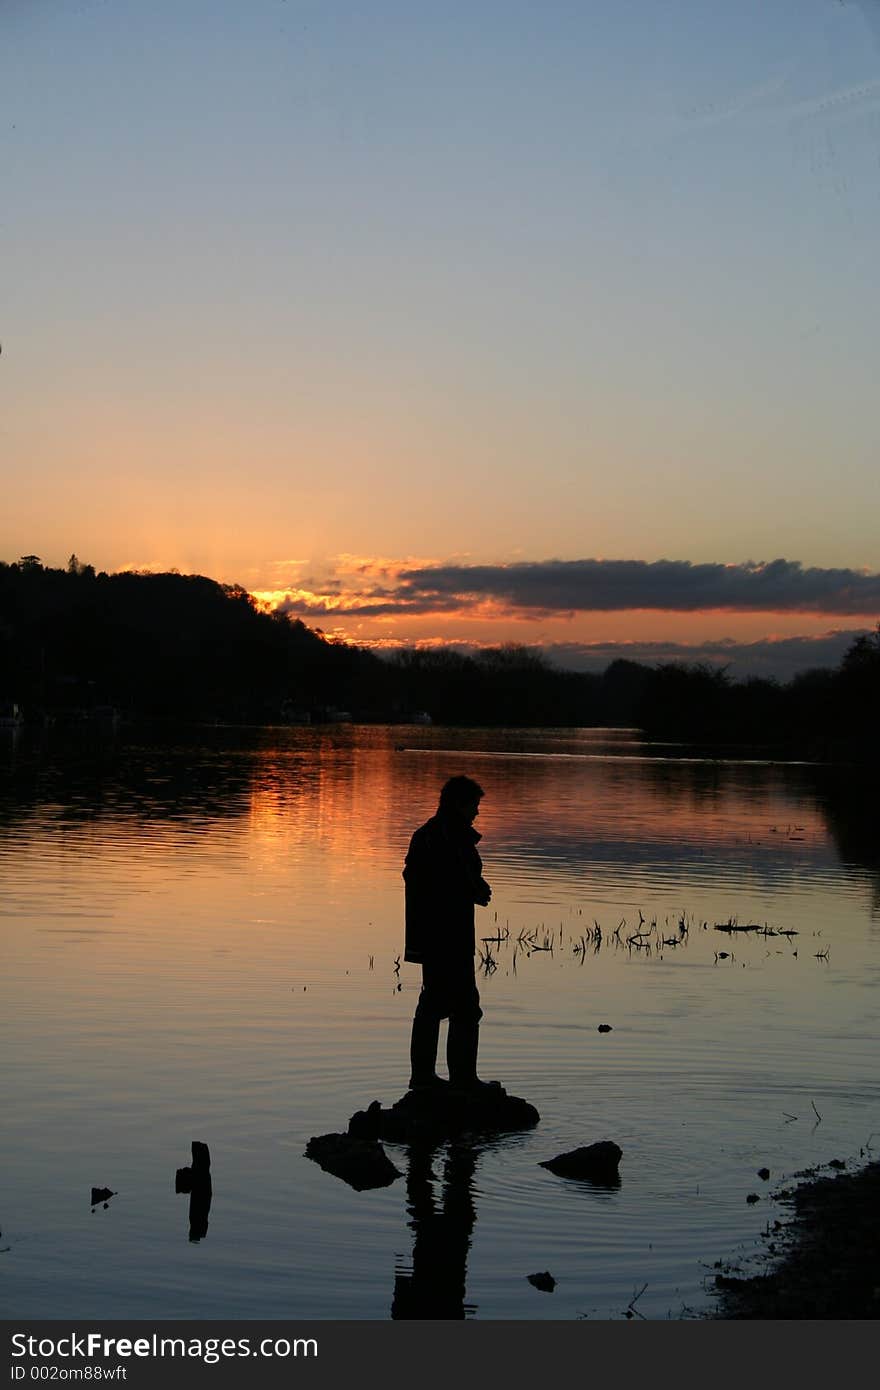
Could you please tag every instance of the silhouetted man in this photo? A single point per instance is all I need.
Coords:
(444, 880)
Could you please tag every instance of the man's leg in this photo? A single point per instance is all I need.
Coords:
(461, 1050)
(463, 1041)
(423, 1042)
(433, 1006)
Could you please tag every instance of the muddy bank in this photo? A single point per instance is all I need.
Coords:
(826, 1259)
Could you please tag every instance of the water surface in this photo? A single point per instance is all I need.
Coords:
(201, 941)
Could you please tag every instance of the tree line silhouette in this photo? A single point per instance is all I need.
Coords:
(174, 646)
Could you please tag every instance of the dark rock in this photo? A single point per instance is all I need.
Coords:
(752, 1198)
(604, 1028)
(543, 1281)
(596, 1163)
(764, 1173)
(435, 1114)
(101, 1194)
(196, 1181)
(366, 1124)
(362, 1163)
(185, 1179)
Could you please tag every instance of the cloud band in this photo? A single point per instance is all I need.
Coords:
(559, 587)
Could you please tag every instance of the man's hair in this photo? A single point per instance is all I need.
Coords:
(458, 791)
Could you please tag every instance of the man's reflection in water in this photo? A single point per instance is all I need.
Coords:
(435, 1288)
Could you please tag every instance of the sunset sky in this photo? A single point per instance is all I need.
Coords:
(542, 322)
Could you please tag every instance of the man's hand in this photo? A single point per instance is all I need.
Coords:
(484, 894)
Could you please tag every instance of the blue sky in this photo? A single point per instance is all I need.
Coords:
(286, 284)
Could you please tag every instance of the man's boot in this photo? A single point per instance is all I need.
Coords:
(462, 1045)
(423, 1050)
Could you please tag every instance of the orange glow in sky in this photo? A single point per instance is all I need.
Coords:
(564, 290)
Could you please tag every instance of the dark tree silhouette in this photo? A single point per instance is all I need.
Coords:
(176, 646)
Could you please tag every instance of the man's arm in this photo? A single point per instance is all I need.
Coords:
(419, 876)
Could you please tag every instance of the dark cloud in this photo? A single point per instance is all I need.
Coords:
(558, 588)
(568, 586)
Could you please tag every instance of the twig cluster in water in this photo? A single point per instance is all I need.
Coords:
(631, 1310)
(538, 939)
(732, 925)
(652, 938)
(488, 963)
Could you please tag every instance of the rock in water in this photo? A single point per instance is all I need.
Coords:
(432, 1115)
(199, 1175)
(595, 1163)
(101, 1194)
(196, 1181)
(362, 1163)
(544, 1281)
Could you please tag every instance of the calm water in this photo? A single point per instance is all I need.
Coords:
(200, 943)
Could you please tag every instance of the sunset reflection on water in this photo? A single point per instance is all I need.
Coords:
(202, 941)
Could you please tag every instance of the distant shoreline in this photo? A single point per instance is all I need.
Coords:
(841, 753)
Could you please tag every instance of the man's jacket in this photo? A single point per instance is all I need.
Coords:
(443, 874)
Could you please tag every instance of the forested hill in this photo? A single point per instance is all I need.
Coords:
(174, 646)
(186, 647)
(160, 645)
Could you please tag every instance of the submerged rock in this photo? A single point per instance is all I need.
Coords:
(199, 1174)
(196, 1180)
(596, 1163)
(438, 1113)
(420, 1117)
(361, 1162)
